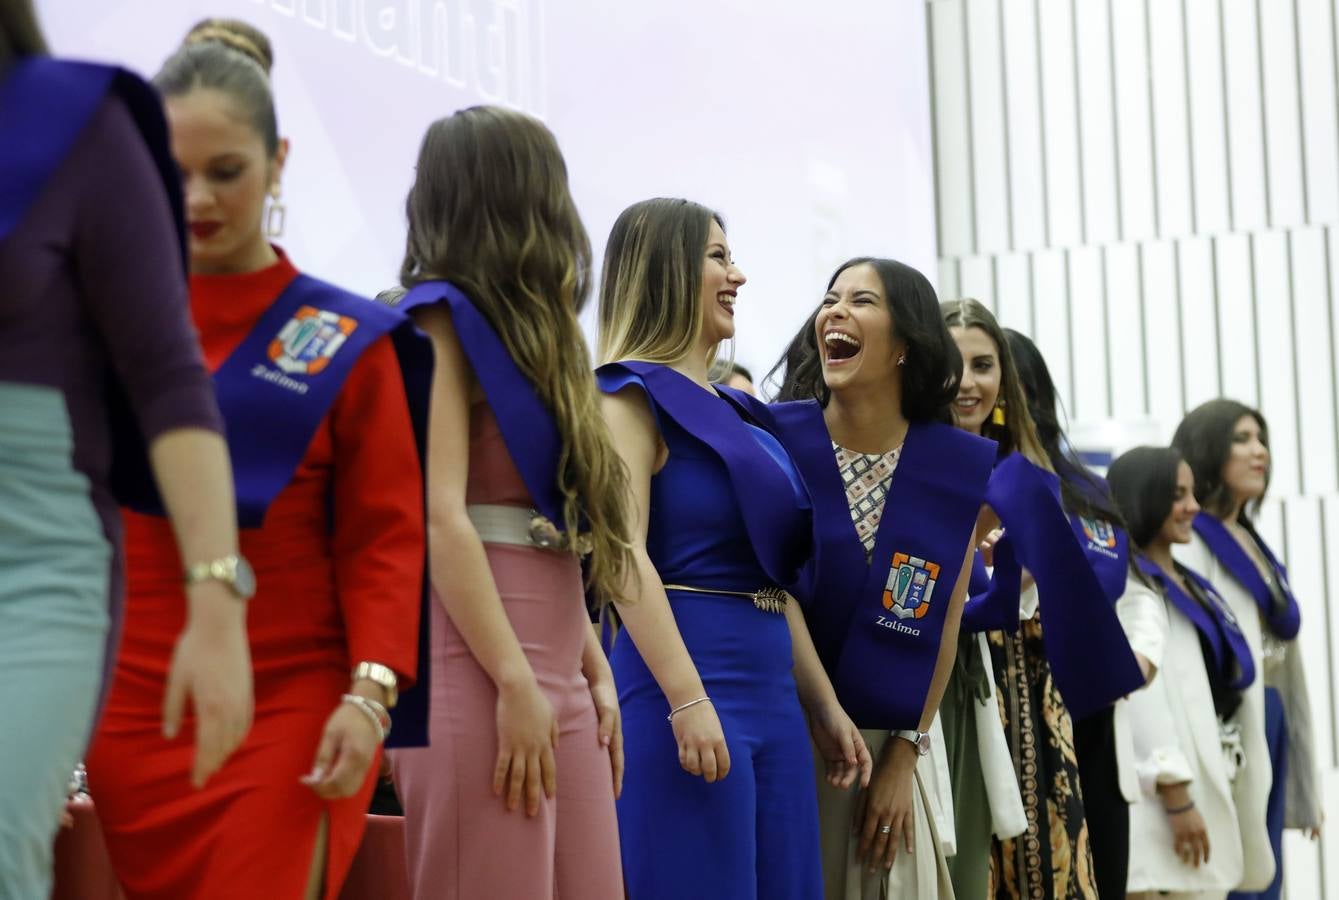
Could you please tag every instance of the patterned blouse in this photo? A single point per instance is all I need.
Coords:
(866, 477)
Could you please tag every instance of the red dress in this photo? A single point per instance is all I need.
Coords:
(338, 566)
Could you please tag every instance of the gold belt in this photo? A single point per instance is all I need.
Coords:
(768, 599)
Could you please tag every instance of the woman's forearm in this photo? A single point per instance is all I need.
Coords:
(194, 478)
(463, 580)
(811, 679)
(650, 623)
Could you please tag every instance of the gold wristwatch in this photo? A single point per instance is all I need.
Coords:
(382, 675)
(233, 570)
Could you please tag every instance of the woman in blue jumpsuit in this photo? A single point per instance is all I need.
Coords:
(719, 801)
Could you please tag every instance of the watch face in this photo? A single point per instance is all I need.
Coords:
(923, 743)
(244, 579)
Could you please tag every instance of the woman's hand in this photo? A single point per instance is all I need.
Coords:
(888, 802)
(701, 739)
(527, 736)
(841, 745)
(211, 667)
(605, 697)
(347, 750)
(987, 545)
(1190, 836)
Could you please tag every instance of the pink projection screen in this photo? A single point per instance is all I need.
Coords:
(807, 125)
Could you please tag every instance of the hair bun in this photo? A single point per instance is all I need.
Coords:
(234, 34)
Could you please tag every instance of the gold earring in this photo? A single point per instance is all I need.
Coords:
(997, 415)
(275, 215)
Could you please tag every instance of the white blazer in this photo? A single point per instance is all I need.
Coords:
(1245, 849)
(1143, 618)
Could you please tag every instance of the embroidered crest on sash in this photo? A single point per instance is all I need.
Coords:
(1101, 535)
(309, 340)
(911, 582)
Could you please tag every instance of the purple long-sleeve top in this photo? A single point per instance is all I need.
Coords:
(91, 283)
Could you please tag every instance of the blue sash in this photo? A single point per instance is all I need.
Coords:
(877, 626)
(1284, 622)
(993, 598)
(778, 528)
(1215, 621)
(1108, 550)
(526, 423)
(45, 104)
(1090, 658)
(274, 390)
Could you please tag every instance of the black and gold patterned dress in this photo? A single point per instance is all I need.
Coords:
(1052, 860)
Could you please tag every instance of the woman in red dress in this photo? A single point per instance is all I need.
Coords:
(338, 557)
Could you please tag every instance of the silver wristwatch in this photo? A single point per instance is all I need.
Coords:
(921, 740)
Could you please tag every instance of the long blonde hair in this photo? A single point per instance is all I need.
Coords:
(490, 211)
(651, 287)
(1019, 432)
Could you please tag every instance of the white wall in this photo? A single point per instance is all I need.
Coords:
(1151, 190)
(809, 129)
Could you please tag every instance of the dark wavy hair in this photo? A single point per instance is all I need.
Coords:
(1081, 491)
(1143, 484)
(1204, 439)
(933, 364)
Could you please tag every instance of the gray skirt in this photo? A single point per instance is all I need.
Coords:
(54, 571)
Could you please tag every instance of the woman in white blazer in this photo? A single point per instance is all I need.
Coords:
(1191, 833)
(1226, 444)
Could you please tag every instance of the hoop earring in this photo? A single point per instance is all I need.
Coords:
(275, 216)
(997, 414)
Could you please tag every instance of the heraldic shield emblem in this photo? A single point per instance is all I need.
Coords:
(307, 343)
(1099, 531)
(911, 582)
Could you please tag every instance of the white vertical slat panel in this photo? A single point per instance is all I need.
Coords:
(1051, 299)
(1332, 242)
(1269, 522)
(1306, 574)
(1087, 335)
(1097, 122)
(989, 143)
(1273, 322)
(1315, 30)
(1124, 329)
(1198, 322)
(1133, 122)
(977, 275)
(1314, 362)
(1327, 670)
(1204, 62)
(1283, 138)
(948, 279)
(952, 132)
(1236, 318)
(1162, 331)
(1170, 117)
(1245, 126)
(1022, 90)
(1064, 186)
(1013, 286)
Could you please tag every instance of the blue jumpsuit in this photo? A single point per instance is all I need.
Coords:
(755, 833)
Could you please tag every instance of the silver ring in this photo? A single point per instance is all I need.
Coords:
(886, 829)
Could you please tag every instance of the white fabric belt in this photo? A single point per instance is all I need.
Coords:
(499, 524)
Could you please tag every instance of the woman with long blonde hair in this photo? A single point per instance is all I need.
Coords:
(717, 672)
(523, 481)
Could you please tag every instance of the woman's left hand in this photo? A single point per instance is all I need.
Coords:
(884, 814)
(610, 731)
(347, 750)
(840, 744)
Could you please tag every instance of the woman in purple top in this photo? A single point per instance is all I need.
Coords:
(94, 305)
